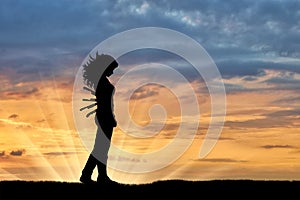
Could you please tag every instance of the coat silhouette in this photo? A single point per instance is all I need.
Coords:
(95, 74)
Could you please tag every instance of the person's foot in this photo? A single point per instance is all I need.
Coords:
(86, 180)
(104, 179)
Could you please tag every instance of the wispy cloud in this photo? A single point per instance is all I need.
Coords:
(288, 100)
(149, 90)
(277, 147)
(60, 153)
(21, 93)
(13, 116)
(222, 160)
(258, 123)
(266, 79)
(21, 124)
(2, 153)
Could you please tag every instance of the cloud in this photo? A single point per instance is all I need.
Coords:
(56, 153)
(13, 116)
(146, 91)
(264, 80)
(18, 152)
(221, 138)
(284, 113)
(2, 153)
(37, 20)
(41, 120)
(259, 123)
(264, 118)
(19, 91)
(47, 35)
(287, 100)
(224, 160)
(251, 68)
(277, 147)
(285, 80)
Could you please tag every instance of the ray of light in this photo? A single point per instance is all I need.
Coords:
(49, 129)
(51, 172)
(71, 167)
(8, 175)
(75, 168)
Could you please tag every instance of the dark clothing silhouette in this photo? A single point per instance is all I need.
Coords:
(105, 122)
(104, 95)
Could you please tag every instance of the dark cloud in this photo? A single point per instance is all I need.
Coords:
(285, 113)
(286, 81)
(149, 90)
(150, 56)
(237, 88)
(277, 147)
(268, 122)
(282, 118)
(13, 116)
(37, 23)
(2, 153)
(244, 68)
(282, 80)
(220, 138)
(268, 119)
(56, 153)
(19, 92)
(249, 78)
(264, 78)
(18, 152)
(41, 121)
(287, 100)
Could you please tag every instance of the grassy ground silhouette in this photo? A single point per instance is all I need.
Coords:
(174, 189)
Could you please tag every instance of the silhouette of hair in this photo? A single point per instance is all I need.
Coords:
(95, 68)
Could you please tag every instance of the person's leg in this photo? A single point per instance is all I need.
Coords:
(86, 175)
(103, 147)
(102, 172)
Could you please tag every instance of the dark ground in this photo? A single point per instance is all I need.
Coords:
(175, 189)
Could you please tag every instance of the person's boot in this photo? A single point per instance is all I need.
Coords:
(102, 173)
(103, 179)
(86, 180)
(86, 175)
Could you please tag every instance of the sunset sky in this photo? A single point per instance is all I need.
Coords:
(254, 44)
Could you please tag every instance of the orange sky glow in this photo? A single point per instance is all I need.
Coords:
(39, 141)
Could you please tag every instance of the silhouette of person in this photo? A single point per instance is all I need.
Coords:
(95, 75)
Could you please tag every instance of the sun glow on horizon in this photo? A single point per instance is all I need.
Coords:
(39, 129)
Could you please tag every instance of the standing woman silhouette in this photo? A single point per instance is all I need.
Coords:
(95, 76)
